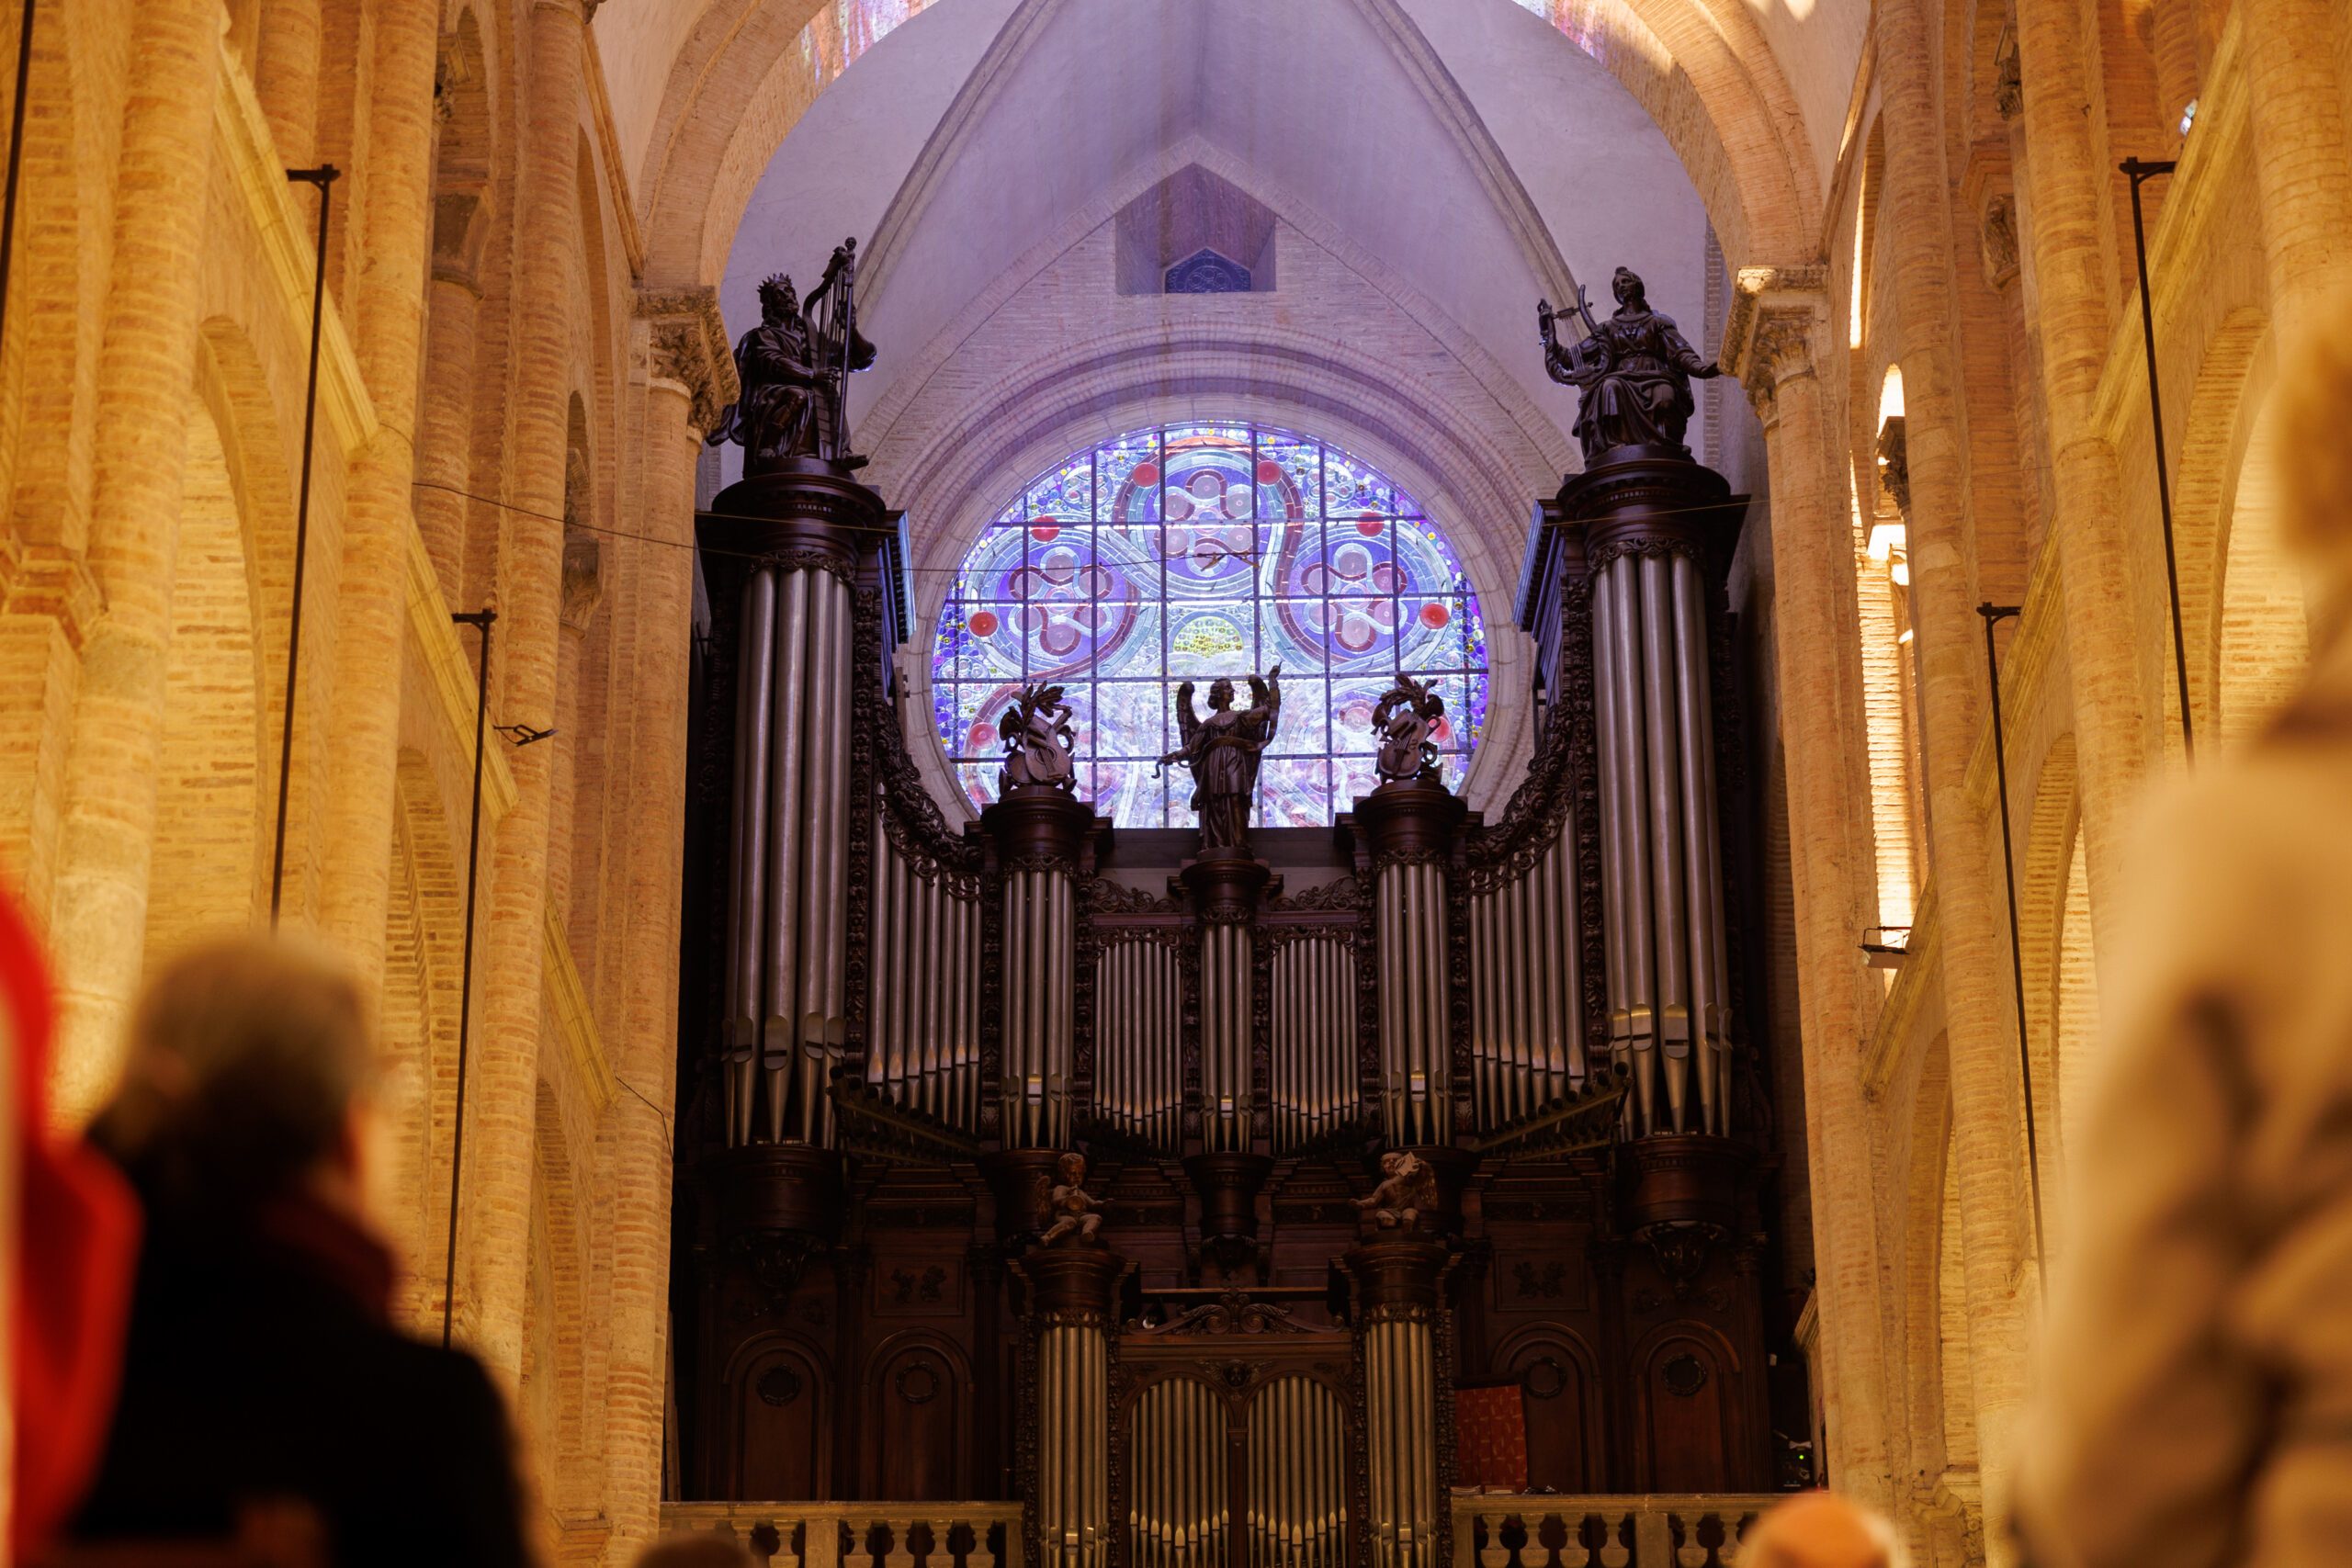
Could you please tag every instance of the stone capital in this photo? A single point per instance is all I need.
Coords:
(688, 346)
(1768, 335)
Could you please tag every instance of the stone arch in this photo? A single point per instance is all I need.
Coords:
(209, 852)
(1937, 1367)
(749, 68)
(425, 921)
(2261, 627)
(2055, 937)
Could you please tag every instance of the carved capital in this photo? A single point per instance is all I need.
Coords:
(1767, 338)
(688, 345)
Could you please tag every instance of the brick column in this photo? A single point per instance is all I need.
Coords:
(2118, 706)
(692, 378)
(1987, 1103)
(495, 1238)
(444, 413)
(1780, 322)
(362, 720)
(146, 364)
(2300, 157)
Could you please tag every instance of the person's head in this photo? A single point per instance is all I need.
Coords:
(1221, 693)
(1626, 284)
(778, 300)
(694, 1551)
(1820, 1530)
(247, 1080)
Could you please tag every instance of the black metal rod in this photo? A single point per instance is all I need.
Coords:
(481, 620)
(2139, 171)
(1991, 613)
(15, 158)
(323, 177)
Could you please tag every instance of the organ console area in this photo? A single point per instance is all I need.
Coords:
(1375, 1120)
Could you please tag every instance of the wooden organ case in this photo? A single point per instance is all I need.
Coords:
(893, 1030)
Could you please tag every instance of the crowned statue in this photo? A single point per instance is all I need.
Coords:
(1634, 370)
(792, 369)
(1223, 753)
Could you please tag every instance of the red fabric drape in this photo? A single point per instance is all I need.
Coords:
(77, 1245)
(1490, 1438)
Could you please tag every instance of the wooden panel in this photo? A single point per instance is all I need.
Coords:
(782, 1432)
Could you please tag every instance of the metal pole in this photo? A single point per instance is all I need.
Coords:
(1991, 613)
(323, 177)
(2141, 171)
(481, 620)
(16, 157)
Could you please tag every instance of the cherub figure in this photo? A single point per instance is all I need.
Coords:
(1071, 1206)
(1408, 1190)
(1406, 719)
(1038, 741)
(1223, 753)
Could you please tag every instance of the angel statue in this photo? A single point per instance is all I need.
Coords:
(1222, 751)
(1408, 1190)
(1073, 1208)
(1038, 741)
(791, 369)
(1405, 718)
(1634, 371)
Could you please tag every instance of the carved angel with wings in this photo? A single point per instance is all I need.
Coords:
(1222, 751)
(1038, 741)
(1406, 719)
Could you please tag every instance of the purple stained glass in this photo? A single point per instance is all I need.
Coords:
(1190, 552)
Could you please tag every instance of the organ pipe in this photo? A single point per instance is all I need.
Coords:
(1313, 1039)
(1661, 853)
(786, 987)
(1039, 930)
(1527, 986)
(1414, 1030)
(1073, 1456)
(923, 1043)
(1298, 1478)
(1178, 1515)
(1401, 1411)
(1138, 1043)
(1224, 1036)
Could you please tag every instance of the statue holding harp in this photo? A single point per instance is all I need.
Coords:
(1634, 371)
(794, 367)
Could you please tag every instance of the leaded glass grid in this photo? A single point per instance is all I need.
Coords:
(1187, 552)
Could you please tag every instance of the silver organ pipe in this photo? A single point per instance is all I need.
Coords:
(787, 1003)
(1415, 1035)
(923, 1033)
(1040, 929)
(1177, 1446)
(1527, 986)
(1662, 854)
(1313, 1043)
(1224, 1036)
(1138, 1043)
(1073, 1455)
(1400, 1394)
(1298, 1477)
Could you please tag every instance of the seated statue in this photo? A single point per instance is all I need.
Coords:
(1634, 370)
(1408, 1190)
(791, 369)
(1071, 1206)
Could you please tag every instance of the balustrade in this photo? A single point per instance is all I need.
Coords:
(1654, 1530)
(859, 1535)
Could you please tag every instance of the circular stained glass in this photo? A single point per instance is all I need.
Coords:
(1187, 552)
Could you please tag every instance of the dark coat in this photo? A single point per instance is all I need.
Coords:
(265, 1369)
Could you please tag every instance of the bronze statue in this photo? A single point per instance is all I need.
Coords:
(792, 367)
(1408, 1190)
(1405, 719)
(1038, 741)
(1634, 370)
(1222, 751)
(1071, 1206)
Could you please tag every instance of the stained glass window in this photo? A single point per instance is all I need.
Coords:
(1187, 552)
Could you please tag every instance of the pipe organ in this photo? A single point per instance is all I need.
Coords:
(1422, 1101)
(1313, 1085)
(924, 1010)
(1138, 1043)
(1661, 848)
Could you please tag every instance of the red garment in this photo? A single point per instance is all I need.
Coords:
(1490, 1438)
(77, 1247)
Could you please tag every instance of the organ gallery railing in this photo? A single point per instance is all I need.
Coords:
(859, 1535)
(1660, 1530)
